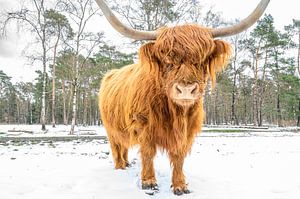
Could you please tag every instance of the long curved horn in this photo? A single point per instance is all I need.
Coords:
(244, 24)
(123, 29)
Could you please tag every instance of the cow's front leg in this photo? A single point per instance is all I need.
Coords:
(148, 152)
(178, 179)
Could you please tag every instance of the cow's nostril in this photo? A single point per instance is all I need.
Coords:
(178, 89)
(194, 90)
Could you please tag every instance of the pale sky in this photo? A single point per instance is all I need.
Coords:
(16, 66)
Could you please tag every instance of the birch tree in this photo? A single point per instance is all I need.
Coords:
(80, 13)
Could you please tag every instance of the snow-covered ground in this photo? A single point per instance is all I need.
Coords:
(59, 130)
(220, 166)
(63, 130)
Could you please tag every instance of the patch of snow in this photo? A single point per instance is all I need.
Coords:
(59, 130)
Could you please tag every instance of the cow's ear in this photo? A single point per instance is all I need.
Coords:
(219, 58)
(146, 52)
(147, 58)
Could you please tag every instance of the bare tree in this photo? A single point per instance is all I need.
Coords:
(80, 12)
(237, 68)
(152, 14)
(60, 28)
(34, 17)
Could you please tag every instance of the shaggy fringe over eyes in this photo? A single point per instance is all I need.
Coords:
(191, 43)
(218, 59)
(188, 43)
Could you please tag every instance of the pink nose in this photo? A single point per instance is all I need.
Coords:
(190, 91)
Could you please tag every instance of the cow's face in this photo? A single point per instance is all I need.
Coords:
(184, 80)
(186, 56)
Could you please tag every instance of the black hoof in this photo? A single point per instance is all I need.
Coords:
(186, 191)
(179, 192)
(151, 186)
(150, 193)
(128, 164)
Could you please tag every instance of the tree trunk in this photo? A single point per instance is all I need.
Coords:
(233, 117)
(260, 121)
(245, 111)
(91, 111)
(279, 116)
(298, 122)
(85, 107)
(233, 94)
(216, 113)
(64, 103)
(207, 106)
(298, 59)
(213, 107)
(53, 91)
(255, 105)
(31, 113)
(262, 91)
(226, 111)
(75, 85)
(74, 107)
(18, 112)
(278, 107)
(53, 80)
(70, 95)
(43, 111)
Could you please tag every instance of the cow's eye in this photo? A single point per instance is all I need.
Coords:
(169, 66)
(196, 65)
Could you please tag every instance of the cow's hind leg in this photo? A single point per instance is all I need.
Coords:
(124, 156)
(119, 153)
(148, 152)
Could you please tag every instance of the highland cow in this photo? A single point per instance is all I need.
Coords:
(157, 103)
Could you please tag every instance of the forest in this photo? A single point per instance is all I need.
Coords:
(260, 86)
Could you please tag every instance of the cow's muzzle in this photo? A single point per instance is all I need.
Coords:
(185, 94)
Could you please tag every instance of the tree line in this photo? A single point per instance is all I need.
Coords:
(21, 102)
(260, 85)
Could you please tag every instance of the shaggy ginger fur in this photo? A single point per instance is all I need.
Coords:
(135, 102)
